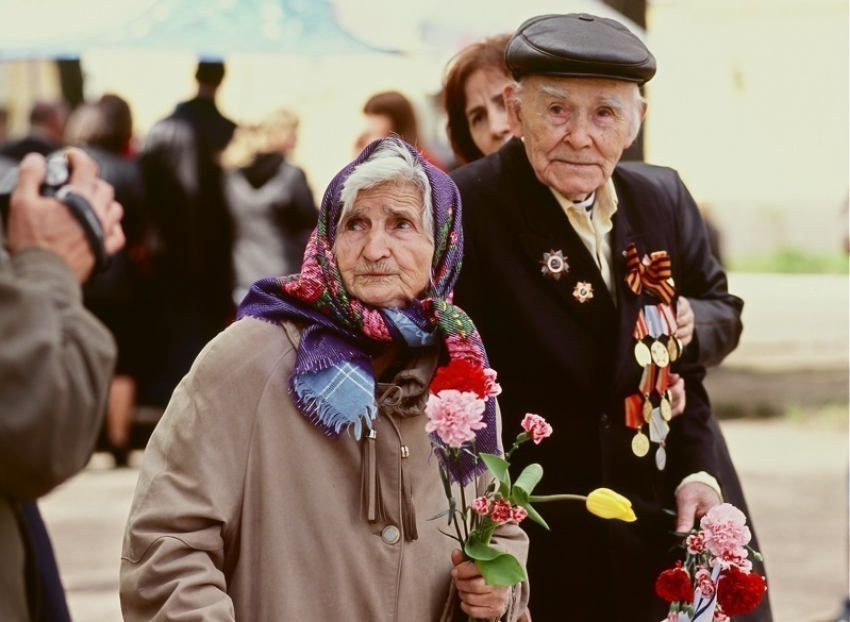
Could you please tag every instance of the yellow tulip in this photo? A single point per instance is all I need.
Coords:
(606, 503)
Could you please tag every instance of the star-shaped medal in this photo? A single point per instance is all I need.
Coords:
(583, 291)
(554, 264)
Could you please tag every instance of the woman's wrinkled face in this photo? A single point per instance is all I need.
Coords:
(382, 250)
(485, 109)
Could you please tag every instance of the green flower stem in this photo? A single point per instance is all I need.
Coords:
(520, 439)
(465, 509)
(546, 498)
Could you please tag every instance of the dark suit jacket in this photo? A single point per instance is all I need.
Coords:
(573, 363)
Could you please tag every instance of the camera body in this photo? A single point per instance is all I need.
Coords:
(57, 175)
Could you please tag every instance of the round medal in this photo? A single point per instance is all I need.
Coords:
(642, 354)
(672, 349)
(666, 410)
(661, 458)
(640, 444)
(659, 354)
(647, 410)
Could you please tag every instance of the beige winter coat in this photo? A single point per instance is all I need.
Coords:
(246, 511)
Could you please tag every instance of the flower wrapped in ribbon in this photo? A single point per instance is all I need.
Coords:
(716, 580)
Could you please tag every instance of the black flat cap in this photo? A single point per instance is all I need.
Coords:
(579, 45)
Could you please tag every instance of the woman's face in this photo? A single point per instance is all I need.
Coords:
(485, 109)
(382, 250)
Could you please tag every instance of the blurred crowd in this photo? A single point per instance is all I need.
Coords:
(211, 206)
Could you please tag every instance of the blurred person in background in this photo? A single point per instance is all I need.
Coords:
(193, 245)
(270, 201)
(46, 131)
(120, 296)
(710, 329)
(391, 113)
(56, 363)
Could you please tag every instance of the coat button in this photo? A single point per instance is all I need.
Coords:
(604, 421)
(390, 534)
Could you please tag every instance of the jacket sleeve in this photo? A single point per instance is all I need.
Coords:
(187, 500)
(56, 363)
(717, 313)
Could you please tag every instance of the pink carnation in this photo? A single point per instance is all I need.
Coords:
(705, 585)
(455, 416)
(481, 506)
(519, 514)
(725, 530)
(501, 511)
(696, 543)
(491, 387)
(537, 427)
(719, 616)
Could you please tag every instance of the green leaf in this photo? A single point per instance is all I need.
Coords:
(503, 570)
(498, 466)
(529, 478)
(440, 515)
(533, 515)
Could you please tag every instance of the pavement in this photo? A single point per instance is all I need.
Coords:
(794, 467)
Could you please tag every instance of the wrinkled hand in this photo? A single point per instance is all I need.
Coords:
(677, 394)
(479, 600)
(42, 222)
(692, 502)
(685, 319)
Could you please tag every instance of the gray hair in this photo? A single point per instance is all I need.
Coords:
(390, 163)
(635, 120)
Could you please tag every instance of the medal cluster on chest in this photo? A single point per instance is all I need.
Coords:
(649, 411)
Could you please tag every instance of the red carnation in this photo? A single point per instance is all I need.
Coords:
(675, 585)
(738, 593)
(460, 375)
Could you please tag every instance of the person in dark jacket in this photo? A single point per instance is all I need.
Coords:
(192, 264)
(477, 125)
(566, 275)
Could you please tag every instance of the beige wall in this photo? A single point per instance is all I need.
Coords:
(750, 104)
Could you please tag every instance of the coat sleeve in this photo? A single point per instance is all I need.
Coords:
(717, 312)
(188, 498)
(56, 363)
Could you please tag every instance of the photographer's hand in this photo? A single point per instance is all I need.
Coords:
(41, 222)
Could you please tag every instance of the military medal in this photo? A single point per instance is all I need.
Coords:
(659, 354)
(583, 291)
(642, 354)
(666, 409)
(554, 264)
(640, 444)
(661, 458)
(674, 344)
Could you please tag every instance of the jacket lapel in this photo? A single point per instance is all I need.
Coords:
(544, 228)
(628, 303)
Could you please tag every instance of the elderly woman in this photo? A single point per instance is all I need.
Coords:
(292, 477)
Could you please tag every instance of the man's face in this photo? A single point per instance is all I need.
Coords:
(574, 129)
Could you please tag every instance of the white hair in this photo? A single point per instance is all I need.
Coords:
(391, 163)
(635, 119)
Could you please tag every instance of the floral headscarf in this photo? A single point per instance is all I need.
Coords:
(333, 383)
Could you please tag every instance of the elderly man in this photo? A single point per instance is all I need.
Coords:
(572, 269)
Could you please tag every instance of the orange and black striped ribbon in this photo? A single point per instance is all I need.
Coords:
(653, 276)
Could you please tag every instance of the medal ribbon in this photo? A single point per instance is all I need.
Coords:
(656, 322)
(670, 318)
(647, 380)
(663, 380)
(653, 275)
(641, 329)
(634, 411)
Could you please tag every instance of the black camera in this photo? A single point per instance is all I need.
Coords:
(55, 184)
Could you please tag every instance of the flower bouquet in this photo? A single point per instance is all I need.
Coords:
(716, 580)
(455, 411)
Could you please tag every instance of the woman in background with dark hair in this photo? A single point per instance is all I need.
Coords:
(478, 123)
(118, 296)
(391, 113)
